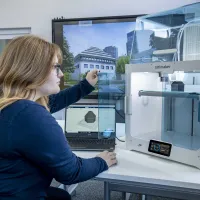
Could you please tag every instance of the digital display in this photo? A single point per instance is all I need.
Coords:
(161, 148)
(84, 118)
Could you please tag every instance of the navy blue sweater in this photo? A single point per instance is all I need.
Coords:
(34, 150)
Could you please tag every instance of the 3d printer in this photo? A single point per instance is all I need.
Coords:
(162, 97)
(163, 110)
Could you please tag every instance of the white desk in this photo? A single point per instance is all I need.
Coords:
(145, 174)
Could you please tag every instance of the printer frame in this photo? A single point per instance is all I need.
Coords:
(136, 101)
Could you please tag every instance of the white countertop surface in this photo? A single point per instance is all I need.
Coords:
(137, 167)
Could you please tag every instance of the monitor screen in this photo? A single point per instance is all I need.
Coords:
(95, 43)
(90, 118)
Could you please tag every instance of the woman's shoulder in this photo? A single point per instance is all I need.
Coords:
(23, 104)
(23, 108)
(27, 103)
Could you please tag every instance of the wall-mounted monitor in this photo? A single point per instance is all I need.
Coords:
(103, 43)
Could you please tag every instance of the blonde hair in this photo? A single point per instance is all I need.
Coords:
(25, 64)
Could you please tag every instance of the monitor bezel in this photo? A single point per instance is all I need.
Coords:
(57, 33)
(83, 135)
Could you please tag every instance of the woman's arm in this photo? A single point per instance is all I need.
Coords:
(69, 96)
(38, 137)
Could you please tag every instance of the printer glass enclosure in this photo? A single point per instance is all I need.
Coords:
(173, 35)
(107, 104)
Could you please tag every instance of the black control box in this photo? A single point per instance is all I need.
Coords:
(159, 147)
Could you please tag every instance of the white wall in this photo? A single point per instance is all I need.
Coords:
(38, 14)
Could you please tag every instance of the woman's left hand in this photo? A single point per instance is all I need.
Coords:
(92, 77)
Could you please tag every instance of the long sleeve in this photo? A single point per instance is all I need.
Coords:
(69, 96)
(41, 140)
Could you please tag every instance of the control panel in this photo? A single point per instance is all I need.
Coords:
(159, 147)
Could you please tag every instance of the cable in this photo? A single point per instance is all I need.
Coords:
(123, 117)
(120, 140)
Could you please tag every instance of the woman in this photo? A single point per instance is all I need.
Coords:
(33, 148)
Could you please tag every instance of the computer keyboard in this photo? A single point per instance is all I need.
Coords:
(91, 141)
(91, 144)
